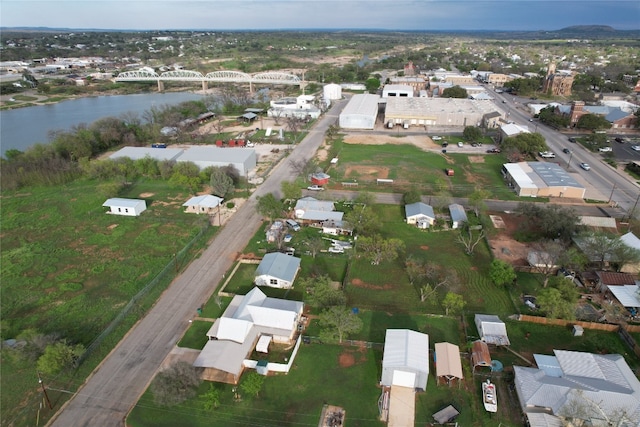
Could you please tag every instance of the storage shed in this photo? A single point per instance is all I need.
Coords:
(126, 207)
(360, 113)
(320, 178)
(405, 361)
(447, 361)
(491, 329)
(458, 215)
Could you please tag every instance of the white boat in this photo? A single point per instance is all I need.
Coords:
(489, 397)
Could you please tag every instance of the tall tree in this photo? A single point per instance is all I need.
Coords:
(376, 249)
(548, 255)
(338, 323)
(477, 201)
(270, 207)
(548, 221)
(291, 190)
(453, 303)
(471, 133)
(455, 92)
(211, 398)
(221, 184)
(320, 292)
(58, 356)
(469, 238)
(501, 272)
(363, 220)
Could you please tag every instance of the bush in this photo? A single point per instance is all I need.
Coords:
(230, 205)
(176, 384)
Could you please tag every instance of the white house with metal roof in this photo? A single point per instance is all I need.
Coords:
(541, 179)
(205, 204)
(126, 207)
(602, 386)
(405, 361)
(277, 270)
(308, 206)
(234, 335)
(420, 214)
(491, 329)
(360, 112)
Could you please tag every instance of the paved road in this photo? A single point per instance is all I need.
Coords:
(116, 385)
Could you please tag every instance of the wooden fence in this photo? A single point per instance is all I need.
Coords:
(563, 322)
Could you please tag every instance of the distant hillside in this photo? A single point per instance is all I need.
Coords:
(588, 28)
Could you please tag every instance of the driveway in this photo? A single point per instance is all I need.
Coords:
(115, 386)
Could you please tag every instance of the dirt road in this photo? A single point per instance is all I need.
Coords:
(116, 385)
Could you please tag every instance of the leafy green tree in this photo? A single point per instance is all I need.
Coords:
(377, 249)
(363, 220)
(550, 116)
(455, 92)
(252, 383)
(291, 190)
(186, 174)
(211, 398)
(58, 356)
(372, 84)
(270, 207)
(338, 323)
(176, 384)
(526, 143)
(548, 221)
(411, 196)
(320, 292)
(471, 133)
(221, 184)
(453, 303)
(592, 122)
(501, 272)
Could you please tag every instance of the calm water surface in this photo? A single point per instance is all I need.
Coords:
(24, 127)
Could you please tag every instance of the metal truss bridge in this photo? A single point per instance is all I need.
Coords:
(269, 77)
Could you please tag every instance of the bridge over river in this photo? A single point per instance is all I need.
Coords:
(226, 76)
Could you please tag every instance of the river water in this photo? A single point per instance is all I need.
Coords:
(23, 127)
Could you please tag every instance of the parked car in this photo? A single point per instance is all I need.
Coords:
(635, 147)
(605, 149)
(493, 150)
(293, 225)
(572, 139)
(547, 155)
(475, 144)
(287, 238)
(336, 249)
(619, 139)
(566, 151)
(315, 188)
(460, 144)
(585, 166)
(445, 144)
(436, 138)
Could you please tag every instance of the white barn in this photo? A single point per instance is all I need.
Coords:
(405, 361)
(126, 207)
(277, 270)
(360, 113)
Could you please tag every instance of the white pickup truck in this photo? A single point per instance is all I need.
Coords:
(547, 155)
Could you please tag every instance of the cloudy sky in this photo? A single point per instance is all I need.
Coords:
(326, 14)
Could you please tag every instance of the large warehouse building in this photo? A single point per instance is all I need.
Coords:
(243, 159)
(360, 113)
(437, 111)
(541, 179)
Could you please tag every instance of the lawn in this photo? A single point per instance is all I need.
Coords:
(410, 166)
(69, 268)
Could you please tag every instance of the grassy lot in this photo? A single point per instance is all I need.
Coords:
(411, 167)
(69, 268)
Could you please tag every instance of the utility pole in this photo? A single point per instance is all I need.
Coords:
(611, 196)
(44, 391)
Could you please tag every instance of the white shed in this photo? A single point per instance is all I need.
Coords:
(360, 113)
(491, 329)
(126, 207)
(332, 91)
(405, 361)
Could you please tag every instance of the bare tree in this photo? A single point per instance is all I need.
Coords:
(276, 114)
(293, 124)
(314, 244)
(548, 254)
(469, 239)
(218, 125)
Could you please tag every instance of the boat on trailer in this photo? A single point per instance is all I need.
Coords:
(489, 396)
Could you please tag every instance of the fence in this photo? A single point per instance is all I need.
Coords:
(276, 367)
(563, 322)
(351, 343)
(169, 269)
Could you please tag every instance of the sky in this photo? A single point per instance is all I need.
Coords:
(508, 15)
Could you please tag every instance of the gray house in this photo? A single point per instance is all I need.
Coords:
(277, 270)
(419, 214)
(602, 385)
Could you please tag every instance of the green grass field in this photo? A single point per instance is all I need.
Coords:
(68, 267)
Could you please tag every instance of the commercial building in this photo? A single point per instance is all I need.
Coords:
(541, 179)
(360, 113)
